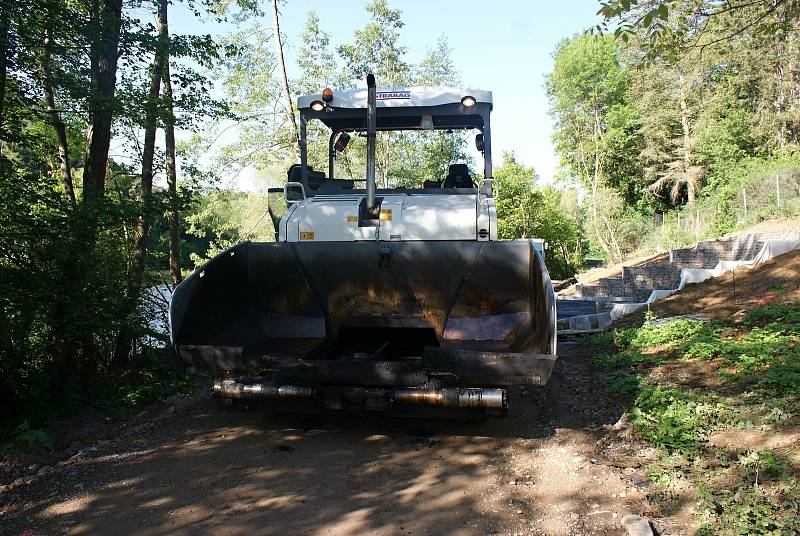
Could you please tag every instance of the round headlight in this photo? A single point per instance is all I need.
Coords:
(317, 106)
(468, 101)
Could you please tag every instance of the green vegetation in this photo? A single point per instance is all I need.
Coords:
(679, 129)
(150, 379)
(525, 211)
(688, 379)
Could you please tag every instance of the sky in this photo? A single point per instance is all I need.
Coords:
(504, 46)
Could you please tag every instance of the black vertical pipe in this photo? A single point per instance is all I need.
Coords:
(303, 152)
(331, 154)
(487, 147)
(371, 128)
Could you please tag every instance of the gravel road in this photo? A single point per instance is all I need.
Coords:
(192, 468)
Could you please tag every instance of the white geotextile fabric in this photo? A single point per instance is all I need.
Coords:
(771, 248)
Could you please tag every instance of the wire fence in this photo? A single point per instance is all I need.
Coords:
(762, 196)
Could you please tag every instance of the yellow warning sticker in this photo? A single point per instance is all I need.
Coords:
(351, 218)
(386, 214)
(307, 235)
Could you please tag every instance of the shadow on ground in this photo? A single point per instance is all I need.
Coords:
(208, 471)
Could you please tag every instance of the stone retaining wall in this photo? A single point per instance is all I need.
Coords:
(637, 281)
(639, 284)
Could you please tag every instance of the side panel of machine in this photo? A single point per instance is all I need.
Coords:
(402, 217)
(434, 217)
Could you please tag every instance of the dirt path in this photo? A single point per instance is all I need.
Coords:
(199, 470)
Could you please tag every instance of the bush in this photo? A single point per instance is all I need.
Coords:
(675, 420)
(751, 510)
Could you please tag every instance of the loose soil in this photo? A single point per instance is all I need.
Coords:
(734, 293)
(562, 463)
(592, 277)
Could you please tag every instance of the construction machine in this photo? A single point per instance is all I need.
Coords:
(375, 299)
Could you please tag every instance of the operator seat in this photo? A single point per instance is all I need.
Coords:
(315, 178)
(458, 177)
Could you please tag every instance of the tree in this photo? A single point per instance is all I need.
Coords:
(402, 158)
(144, 218)
(318, 70)
(253, 94)
(315, 58)
(668, 104)
(67, 249)
(437, 67)
(287, 94)
(516, 199)
(670, 28)
(376, 48)
(170, 164)
(54, 117)
(524, 211)
(105, 24)
(588, 92)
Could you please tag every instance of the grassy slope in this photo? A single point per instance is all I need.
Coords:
(719, 399)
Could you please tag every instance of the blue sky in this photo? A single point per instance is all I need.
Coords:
(504, 46)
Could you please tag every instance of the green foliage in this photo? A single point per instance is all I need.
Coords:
(26, 438)
(622, 382)
(685, 113)
(588, 92)
(783, 313)
(525, 211)
(66, 261)
(153, 380)
(752, 510)
(667, 477)
(760, 354)
(668, 335)
(760, 465)
(221, 219)
(605, 338)
(676, 420)
(376, 47)
(669, 29)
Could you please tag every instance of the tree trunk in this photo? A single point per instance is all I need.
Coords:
(4, 23)
(780, 49)
(386, 159)
(595, 184)
(107, 16)
(142, 233)
(55, 120)
(794, 89)
(685, 130)
(172, 175)
(287, 96)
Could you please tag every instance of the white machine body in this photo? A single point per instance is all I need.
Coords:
(403, 217)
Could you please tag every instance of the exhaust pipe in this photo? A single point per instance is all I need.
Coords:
(448, 397)
(234, 389)
(371, 128)
(451, 397)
